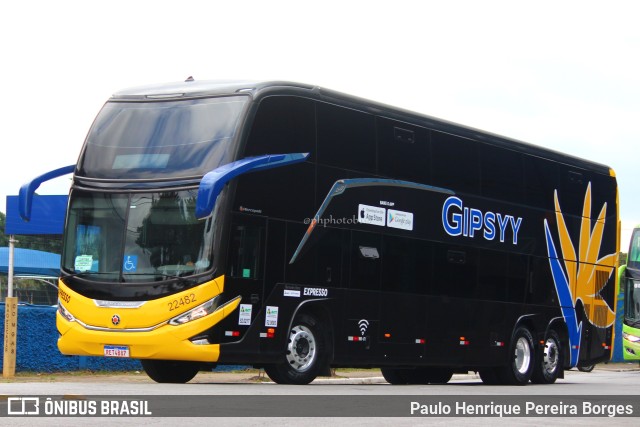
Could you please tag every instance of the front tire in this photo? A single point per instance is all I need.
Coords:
(547, 368)
(395, 376)
(170, 371)
(520, 367)
(305, 355)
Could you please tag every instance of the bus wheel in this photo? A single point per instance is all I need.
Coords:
(547, 368)
(304, 356)
(170, 371)
(435, 375)
(395, 376)
(520, 367)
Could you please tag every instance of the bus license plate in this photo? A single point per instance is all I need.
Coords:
(116, 351)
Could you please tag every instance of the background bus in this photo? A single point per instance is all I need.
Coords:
(295, 228)
(630, 280)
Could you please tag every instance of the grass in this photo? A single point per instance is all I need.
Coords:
(53, 376)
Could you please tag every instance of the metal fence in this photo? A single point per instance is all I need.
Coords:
(32, 290)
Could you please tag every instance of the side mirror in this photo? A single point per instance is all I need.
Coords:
(25, 197)
(213, 182)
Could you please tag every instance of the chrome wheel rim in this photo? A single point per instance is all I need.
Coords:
(550, 360)
(301, 350)
(522, 355)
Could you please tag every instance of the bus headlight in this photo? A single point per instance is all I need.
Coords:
(196, 312)
(629, 337)
(64, 313)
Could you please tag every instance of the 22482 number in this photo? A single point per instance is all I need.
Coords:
(185, 300)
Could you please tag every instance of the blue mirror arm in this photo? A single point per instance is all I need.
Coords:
(213, 182)
(25, 197)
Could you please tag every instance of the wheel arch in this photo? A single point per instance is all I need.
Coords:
(539, 330)
(319, 308)
(528, 321)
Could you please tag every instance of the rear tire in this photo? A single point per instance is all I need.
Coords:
(522, 360)
(588, 368)
(305, 355)
(170, 371)
(549, 363)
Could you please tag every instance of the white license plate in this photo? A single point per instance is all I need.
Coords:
(116, 351)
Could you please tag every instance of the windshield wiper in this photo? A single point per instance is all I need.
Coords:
(180, 279)
(152, 276)
(64, 275)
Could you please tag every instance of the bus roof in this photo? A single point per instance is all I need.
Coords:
(191, 88)
(202, 88)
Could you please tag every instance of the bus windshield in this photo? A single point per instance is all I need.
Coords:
(141, 140)
(633, 260)
(137, 237)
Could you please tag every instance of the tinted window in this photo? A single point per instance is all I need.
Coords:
(283, 125)
(492, 279)
(329, 258)
(407, 265)
(502, 176)
(245, 253)
(137, 237)
(517, 275)
(403, 150)
(454, 162)
(285, 192)
(540, 181)
(572, 189)
(540, 288)
(275, 254)
(161, 139)
(457, 271)
(633, 259)
(346, 138)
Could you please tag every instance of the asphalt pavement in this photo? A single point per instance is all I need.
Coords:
(362, 376)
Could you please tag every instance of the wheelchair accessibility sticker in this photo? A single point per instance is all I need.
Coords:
(130, 264)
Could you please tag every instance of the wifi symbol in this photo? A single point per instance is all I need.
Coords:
(363, 325)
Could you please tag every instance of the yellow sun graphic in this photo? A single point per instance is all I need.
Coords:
(586, 273)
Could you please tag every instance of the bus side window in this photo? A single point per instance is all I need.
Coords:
(245, 255)
(403, 150)
(455, 162)
(346, 138)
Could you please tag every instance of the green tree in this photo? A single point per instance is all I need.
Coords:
(622, 258)
(4, 240)
(47, 243)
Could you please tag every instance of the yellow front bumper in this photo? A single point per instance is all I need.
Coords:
(137, 328)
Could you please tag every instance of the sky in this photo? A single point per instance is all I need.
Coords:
(559, 74)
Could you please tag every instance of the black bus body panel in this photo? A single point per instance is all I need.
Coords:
(429, 298)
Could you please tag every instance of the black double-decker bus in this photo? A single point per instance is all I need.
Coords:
(295, 229)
